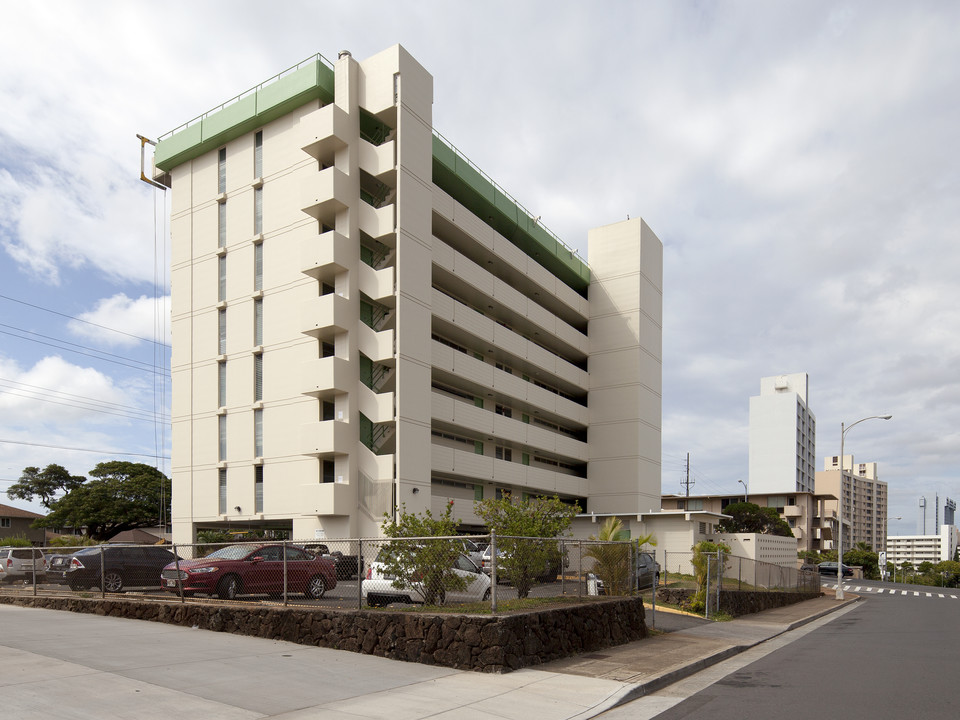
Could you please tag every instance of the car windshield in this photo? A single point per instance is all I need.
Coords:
(232, 552)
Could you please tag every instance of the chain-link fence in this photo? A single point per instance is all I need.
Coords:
(713, 573)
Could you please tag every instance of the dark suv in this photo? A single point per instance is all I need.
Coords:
(122, 565)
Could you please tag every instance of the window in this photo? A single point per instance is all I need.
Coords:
(222, 286)
(222, 384)
(258, 266)
(258, 433)
(257, 210)
(503, 410)
(258, 488)
(504, 453)
(222, 225)
(222, 331)
(222, 480)
(695, 505)
(222, 432)
(222, 171)
(258, 321)
(4, 522)
(257, 378)
(258, 154)
(327, 471)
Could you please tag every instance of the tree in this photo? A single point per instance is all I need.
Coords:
(121, 496)
(867, 559)
(44, 484)
(706, 570)
(751, 518)
(521, 560)
(423, 564)
(612, 556)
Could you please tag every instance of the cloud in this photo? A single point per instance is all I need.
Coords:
(123, 321)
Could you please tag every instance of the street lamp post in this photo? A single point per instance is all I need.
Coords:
(746, 491)
(843, 433)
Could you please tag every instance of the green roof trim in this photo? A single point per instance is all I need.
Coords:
(452, 172)
(309, 80)
(469, 186)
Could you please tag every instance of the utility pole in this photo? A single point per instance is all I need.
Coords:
(688, 482)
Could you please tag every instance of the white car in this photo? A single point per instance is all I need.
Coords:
(378, 587)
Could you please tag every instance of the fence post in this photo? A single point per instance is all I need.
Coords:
(103, 580)
(719, 577)
(493, 571)
(176, 560)
(653, 595)
(359, 574)
(579, 569)
(33, 567)
(563, 569)
(283, 548)
(706, 595)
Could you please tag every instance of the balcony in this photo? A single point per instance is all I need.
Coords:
(379, 223)
(327, 499)
(326, 438)
(325, 255)
(324, 316)
(378, 346)
(377, 284)
(792, 511)
(324, 131)
(324, 378)
(324, 194)
(379, 161)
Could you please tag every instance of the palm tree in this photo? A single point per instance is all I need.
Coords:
(612, 555)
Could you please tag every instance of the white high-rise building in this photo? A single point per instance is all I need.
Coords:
(783, 436)
(362, 320)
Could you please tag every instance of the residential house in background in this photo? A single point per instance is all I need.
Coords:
(15, 522)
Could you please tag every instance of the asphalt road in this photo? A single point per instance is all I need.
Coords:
(888, 656)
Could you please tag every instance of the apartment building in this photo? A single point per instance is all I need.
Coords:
(916, 549)
(783, 436)
(812, 523)
(363, 320)
(864, 500)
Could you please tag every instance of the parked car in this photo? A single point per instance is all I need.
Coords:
(122, 566)
(252, 568)
(22, 565)
(346, 565)
(472, 550)
(648, 571)
(551, 569)
(378, 586)
(830, 568)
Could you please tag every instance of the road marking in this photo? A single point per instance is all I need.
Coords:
(916, 594)
(929, 595)
(903, 592)
(880, 590)
(940, 594)
(857, 589)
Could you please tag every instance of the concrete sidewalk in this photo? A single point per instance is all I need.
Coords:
(86, 666)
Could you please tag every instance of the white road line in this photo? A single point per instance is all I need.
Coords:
(916, 594)
(939, 594)
(857, 589)
(929, 595)
(903, 592)
(880, 590)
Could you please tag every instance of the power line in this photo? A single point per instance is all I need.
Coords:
(78, 352)
(144, 415)
(79, 397)
(89, 450)
(88, 322)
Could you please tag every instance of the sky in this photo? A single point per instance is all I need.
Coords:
(798, 160)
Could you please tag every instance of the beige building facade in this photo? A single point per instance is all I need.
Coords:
(362, 321)
(864, 501)
(813, 523)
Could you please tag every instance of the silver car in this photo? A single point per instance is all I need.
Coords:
(22, 565)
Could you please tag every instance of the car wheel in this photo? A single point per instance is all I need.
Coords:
(113, 582)
(316, 587)
(486, 595)
(229, 588)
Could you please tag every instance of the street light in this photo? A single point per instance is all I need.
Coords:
(843, 433)
(746, 492)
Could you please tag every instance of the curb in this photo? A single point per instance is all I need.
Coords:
(658, 683)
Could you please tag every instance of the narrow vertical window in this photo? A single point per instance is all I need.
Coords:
(222, 331)
(222, 491)
(257, 378)
(222, 384)
(222, 171)
(222, 430)
(258, 321)
(257, 210)
(258, 154)
(258, 266)
(222, 224)
(258, 488)
(222, 285)
(258, 433)
(328, 472)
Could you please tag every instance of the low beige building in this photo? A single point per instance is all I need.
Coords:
(808, 514)
(16, 522)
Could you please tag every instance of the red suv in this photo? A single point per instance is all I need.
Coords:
(251, 569)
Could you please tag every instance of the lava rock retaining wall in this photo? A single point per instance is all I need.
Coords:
(471, 642)
(738, 602)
